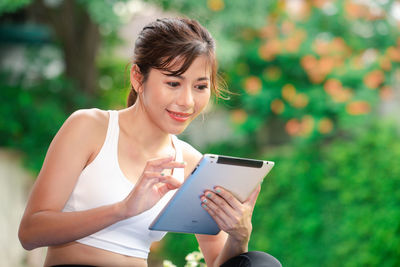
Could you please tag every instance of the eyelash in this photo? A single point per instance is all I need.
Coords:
(173, 84)
(176, 84)
(202, 86)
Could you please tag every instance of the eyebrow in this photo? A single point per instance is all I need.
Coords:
(182, 78)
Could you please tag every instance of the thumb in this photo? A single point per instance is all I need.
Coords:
(167, 184)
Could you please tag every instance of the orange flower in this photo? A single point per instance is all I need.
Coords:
(385, 63)
(316, 76)
(393, 53)
(270, 49)
(277, 106)
(293, 127)
(321, 47)
(300, 100)
(353, 10)
(333, 86)
(386, 93)
(338, 45)
(215, 5)
(307, 125)
(239, 116)
(288, 92)
(358, 108)
(325, 126)
(343, 95)
(326, 65)
(308, 62)
(292, 45)
(373, 79)
(269, 31)
(319, 3)
(253, 85)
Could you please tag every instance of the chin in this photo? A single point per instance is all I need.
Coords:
(176, 131)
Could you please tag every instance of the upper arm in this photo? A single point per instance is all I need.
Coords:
(66, 157)
(210, 245)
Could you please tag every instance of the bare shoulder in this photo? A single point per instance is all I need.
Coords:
(190, 155)
(87, 128)
(66, 157)
(87, 118)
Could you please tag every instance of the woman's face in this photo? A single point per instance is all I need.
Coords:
(172, 102)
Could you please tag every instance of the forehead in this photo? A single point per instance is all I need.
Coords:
(200, 65)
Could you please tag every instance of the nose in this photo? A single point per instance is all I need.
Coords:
(185, 98)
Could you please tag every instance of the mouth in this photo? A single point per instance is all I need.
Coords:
(179, 116)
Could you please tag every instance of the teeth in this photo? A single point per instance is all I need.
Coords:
(178, 115)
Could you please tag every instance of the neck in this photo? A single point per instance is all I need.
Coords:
(140, 129)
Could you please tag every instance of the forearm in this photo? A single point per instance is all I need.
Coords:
(46, 228)
(231, 249)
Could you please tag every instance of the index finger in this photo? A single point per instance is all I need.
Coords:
(228, 196)
(165, 163)
(161, 160)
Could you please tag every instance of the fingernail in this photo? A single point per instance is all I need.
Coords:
(209, 195)
(204, 200)
(204, 206)
(218, 190)
(162, 174)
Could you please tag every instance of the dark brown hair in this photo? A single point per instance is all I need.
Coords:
(170, 41)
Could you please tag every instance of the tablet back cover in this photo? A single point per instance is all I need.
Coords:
(184, 214)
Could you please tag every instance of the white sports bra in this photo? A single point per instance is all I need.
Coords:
(102, 183)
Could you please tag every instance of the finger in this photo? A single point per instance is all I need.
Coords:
(214, 213)
(251, 200)
(158, 161)
(170, 180)
(218, 205)
(152, 177)
(228, 196)
(164, 188)
(221, 224)
(172, 165)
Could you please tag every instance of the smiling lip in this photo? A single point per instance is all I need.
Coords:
(179, 116)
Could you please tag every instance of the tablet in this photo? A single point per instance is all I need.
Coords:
(184, 214)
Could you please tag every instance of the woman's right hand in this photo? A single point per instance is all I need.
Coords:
(151, 186)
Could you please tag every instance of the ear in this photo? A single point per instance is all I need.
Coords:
(136, 78)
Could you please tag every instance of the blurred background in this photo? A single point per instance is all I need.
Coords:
(316, 88)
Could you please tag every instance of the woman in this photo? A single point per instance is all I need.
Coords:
(107, 174)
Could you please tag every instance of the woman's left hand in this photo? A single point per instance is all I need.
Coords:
(232, 216)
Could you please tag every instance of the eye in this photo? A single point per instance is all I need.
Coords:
(202, 86)
(173, 84)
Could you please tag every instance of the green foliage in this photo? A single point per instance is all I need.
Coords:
(114, 82)
(314, 67)
(333, 204)
(8, 6)
(176, 246)
(33, 114)
(326, 204)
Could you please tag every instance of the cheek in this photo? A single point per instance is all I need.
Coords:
(203, 101)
